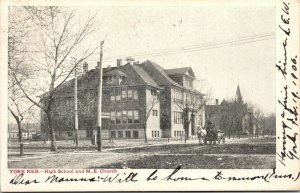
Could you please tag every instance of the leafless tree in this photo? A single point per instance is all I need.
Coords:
(258, 120)
(192, 104)
(17, 69)
(154, 100)
(269, 124)
(31, 121)
(58, 38)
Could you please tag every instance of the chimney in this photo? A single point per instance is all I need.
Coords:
(217, 101)
(119, 63)
(85, 67)
(129, 60)
(96, 67)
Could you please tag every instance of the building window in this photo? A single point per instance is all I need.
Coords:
(135, 134)
(128, 134)
(135, 95)
(112, 96)
(124, 117)
(174, 133)
(153, 92)
(111, 80)
(129, 94)
(120, 79)
(113, 134)
(118, 117)
(188, 82)
(178, 117)
(188, 98)
(178, 95)
(120, 134)
(114, 80)
(155, 134)
(118, 95)
(124, 94)
(108, 79)
(136, 116)
(112, 117)
(154, 112)
(130, 116)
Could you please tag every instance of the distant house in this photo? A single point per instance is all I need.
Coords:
(27, 133)
(232, 117)
(127, 93)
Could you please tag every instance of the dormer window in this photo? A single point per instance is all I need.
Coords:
(183, 76)
(120, 79)
(114, 76)
(188, 82)
(111, 80)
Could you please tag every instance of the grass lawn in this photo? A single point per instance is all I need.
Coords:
(236, 154)
(208, 149)
(255, 154)
(197, 162)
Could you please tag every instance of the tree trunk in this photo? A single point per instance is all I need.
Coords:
(145, 133)
(20, 137)
(53, 140)
(52, 133)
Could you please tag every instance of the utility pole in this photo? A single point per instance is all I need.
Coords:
(76, 108)
(99, 99)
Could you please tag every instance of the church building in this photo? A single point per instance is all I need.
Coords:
(232, 117)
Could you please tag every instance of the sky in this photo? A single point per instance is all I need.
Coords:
(225, 46)
(130, 31)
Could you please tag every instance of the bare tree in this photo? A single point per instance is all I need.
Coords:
(154, 100)
(31, 119)
(59, 37)
(269, 124)
(17, 69)
(17, 104)
(193, 104)
(258, 120)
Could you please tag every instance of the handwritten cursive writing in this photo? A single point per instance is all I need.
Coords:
(19, 180)
(289, 101)
(266, 177)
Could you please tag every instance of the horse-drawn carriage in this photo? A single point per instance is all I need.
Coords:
(210, 134)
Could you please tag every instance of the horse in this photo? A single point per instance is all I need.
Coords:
(201, 133)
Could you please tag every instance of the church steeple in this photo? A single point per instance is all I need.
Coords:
(238, 96)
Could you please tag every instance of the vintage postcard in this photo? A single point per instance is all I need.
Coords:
(149, 95)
